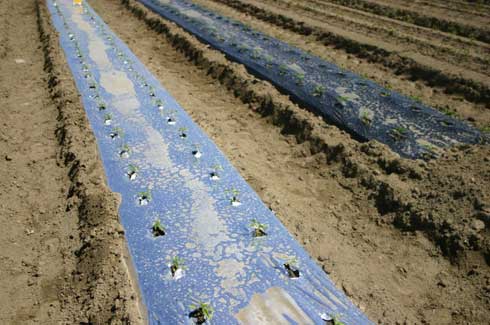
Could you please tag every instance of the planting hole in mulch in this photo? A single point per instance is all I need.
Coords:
(198, 316)
(132, 175)
(235, 201)
(124, 153)
(292, 270)
(107, 119)
(158, 229)
(114, 135)
(197, 153)
(144, 199)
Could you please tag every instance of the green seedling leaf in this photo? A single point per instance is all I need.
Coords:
(158, 229)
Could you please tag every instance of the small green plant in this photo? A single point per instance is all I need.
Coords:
(101, 105)
(243, 48)
(319, 91)
(92, 85)
(151, 91)
(258, 228)
(125, 151)
(292, 267)
(385, 93)
(183, 132)
(332, 319)
(108, 119)
(176, 264)
(132, 171)
(202, 312)
(343, 100)
(429, 147)
(255, 54)
(485, 128)
(283, 69)
(235, 201)
(116, 133)
(159, 104)
(300, 78)
(416, 98)
(158, 229)
(366, 118)
(448, 112)
(171, 120)
(214, 175)
(144, 197)
(399, 133)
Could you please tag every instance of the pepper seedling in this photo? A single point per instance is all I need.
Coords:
(101, 105)
(132, 172)
(152, 91)
(234, 197)
(183, 132)
(125, 151)
(92, 85)
(159, 103)
(158, 229)
(258, 228)
(177, 267)
(318, 91)
(331, 319)
(366, 119)
(300, 78)
(108, 119)
(255, 54)
(398, 133)
(342, 100)
(116, 133)
(171, 120)
(214, 175)
(201, 312)
(283, 69)
(144, 197)
(196, 152)
(292, 267)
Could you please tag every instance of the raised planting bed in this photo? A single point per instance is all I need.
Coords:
(361, 107)
(204, 246)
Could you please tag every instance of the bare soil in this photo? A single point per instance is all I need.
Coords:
(408, 241)
(62, 250)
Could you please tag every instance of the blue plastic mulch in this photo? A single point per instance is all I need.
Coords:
(361, 107)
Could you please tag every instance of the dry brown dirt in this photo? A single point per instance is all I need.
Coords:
(62, 251)
(408, 241)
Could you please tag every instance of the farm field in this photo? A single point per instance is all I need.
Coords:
(408, 241)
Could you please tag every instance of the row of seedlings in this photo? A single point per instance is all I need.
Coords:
(201, 311)
(366, 117)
